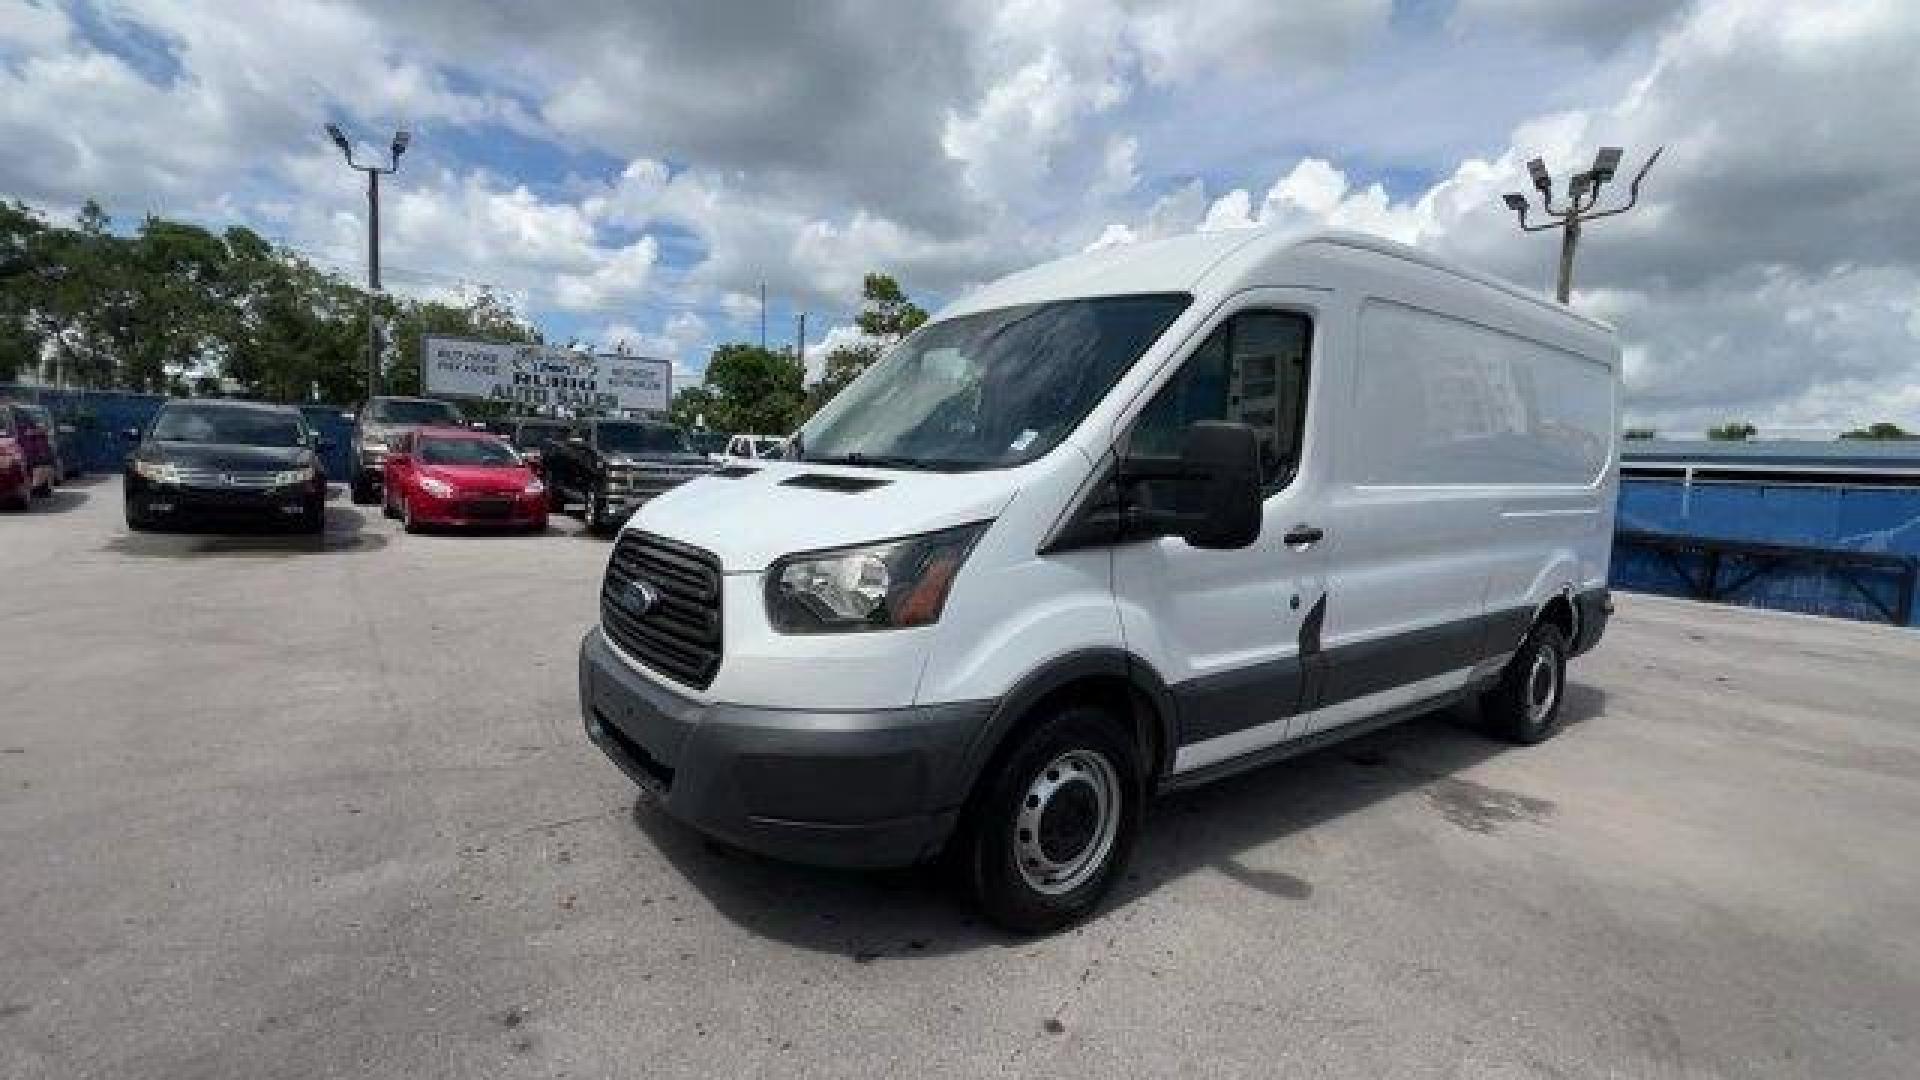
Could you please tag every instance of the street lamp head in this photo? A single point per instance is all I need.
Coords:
(1577, 187)
(1538, 170)
(339, 138)
(1605, 163)
(1516, 202)
(400, 140)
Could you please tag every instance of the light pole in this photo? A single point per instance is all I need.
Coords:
(374, 173)
(1583, 194)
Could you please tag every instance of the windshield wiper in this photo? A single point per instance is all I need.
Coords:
(889, 461)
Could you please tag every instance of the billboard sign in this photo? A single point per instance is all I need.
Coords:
(540, 376)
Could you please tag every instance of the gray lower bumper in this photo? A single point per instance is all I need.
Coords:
(878, 787)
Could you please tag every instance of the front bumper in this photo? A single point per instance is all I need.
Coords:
(480, 510)
(879, 787)
(290, 502)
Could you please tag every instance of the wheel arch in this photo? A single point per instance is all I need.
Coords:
(1112, 678)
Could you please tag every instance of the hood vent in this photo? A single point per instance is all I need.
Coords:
(834, 482)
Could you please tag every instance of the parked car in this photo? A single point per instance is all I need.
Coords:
(711, 443)
(226, 461)
(1118, 525)
(379, 422)
(459, 477)
(756, 447)
(56, 442)
(16, 476)
(533, 436)
(32, 432)
(610, 467)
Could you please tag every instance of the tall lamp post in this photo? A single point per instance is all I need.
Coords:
(374, 173)
(1583, 194)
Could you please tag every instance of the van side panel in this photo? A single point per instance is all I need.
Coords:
(1473, 481)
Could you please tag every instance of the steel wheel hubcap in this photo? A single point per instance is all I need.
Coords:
(1067, 822)
(1543, 685)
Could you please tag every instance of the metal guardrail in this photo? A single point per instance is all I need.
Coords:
(1717, 570)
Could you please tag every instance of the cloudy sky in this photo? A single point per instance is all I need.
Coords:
(633, 171)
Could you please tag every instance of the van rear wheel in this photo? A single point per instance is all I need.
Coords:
(1524, 706)
(1055, 822)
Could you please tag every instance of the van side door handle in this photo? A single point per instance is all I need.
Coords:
(1303, 536)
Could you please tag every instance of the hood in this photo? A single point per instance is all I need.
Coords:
(479, 479)
(783, 507)
(224, 456)
(615, 457)
(386, 433)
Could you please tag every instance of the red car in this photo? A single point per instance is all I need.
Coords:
(16, 479)
(460, 477)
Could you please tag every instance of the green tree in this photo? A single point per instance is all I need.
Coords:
(755, 390)
(1879, 431)
(20, 337)
(885, 311)
(1732, 431)
(886, 315)
(842, 366)
(693, 408)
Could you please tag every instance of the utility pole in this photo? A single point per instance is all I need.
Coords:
(1583, 194)
(763, 316)
(374, 173)
(800, 341)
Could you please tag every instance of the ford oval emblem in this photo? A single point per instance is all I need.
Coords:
(640, 598)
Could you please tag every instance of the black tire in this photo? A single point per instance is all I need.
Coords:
(363, 490)
(313, 517)
(44, 491)
(993, 838)
(137, 521)
(1524, 706)
(407, 521)
(386, 505)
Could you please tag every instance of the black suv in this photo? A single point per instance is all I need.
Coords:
(610, 467)
(227, 460)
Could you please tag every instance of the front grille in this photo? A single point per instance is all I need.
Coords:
(679, 635)
(221, 478)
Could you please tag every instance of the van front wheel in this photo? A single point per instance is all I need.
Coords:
(1524, 706)
(1055, 822)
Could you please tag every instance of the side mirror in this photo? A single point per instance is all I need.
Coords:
(1220, 485)
(1214, 487)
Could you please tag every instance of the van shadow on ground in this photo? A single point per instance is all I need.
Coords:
(870, 916)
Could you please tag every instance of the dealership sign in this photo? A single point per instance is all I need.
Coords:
(540, 375)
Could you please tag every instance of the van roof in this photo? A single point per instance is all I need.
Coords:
(1218, 263)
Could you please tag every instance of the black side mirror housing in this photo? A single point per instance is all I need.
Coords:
(1214, 487)
(1219, 500)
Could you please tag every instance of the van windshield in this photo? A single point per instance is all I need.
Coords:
(989, 390)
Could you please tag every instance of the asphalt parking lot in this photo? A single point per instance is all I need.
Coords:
(278, 806)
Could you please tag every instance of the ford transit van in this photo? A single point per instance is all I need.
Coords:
(1120, 524)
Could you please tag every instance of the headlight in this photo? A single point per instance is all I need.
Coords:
(535, 487)
(435, 487)
(875, 587)
(159, 472)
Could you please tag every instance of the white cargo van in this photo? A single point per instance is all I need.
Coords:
(1123, 523)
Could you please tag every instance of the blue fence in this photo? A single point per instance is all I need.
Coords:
(1877, 520)
(101, 418)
